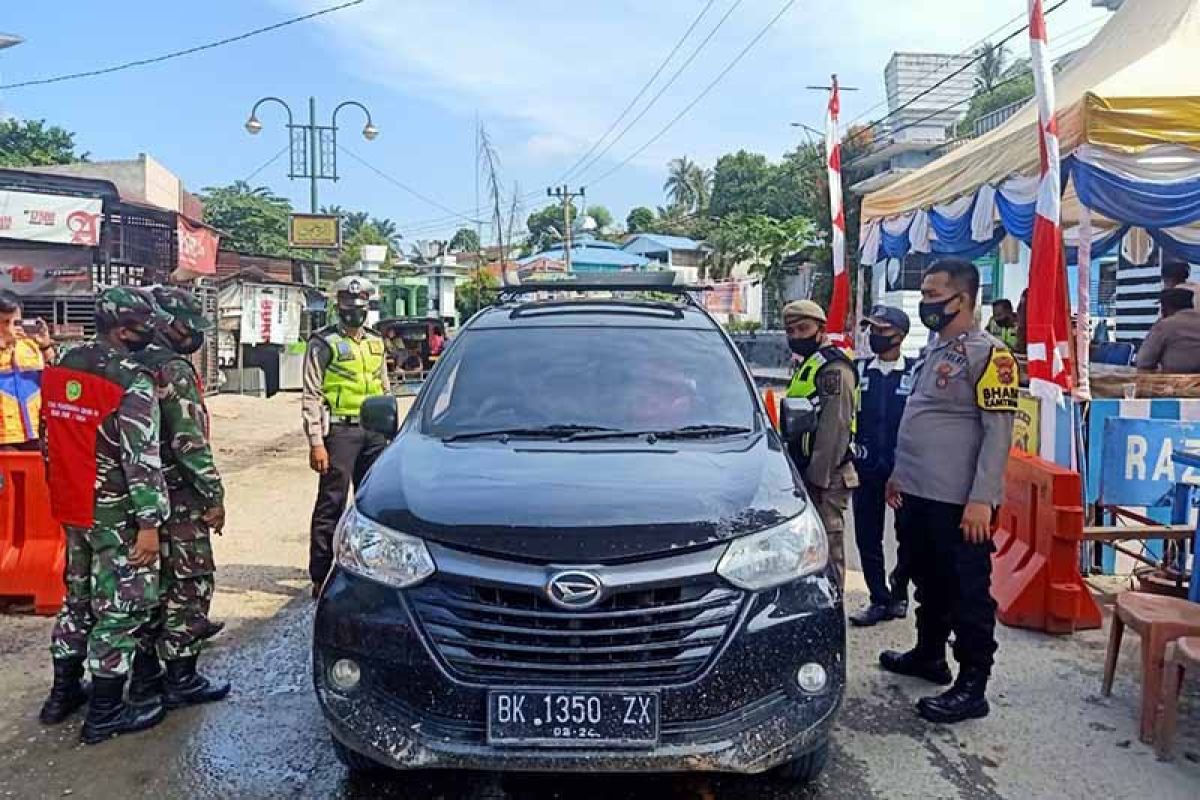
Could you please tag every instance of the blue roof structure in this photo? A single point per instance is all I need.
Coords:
(589, 254)
(661, 243)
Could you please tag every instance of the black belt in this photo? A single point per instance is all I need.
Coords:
(343, 420)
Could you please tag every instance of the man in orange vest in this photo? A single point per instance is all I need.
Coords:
(23, 356)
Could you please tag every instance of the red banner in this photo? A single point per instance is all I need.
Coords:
(197, 248)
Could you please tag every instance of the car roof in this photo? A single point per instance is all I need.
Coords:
(593, 312)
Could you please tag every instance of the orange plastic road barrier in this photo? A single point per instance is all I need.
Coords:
(32, 543)
(772, 407)
(1035, 569)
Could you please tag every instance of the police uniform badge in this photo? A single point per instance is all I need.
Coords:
(997, 389)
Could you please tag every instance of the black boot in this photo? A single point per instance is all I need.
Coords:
(186, 687)
(899, 605)
(966, 699)
(109, 715)
(211, 629)
(66, 693)
(148, 679)
(917, 664)
(871, 615)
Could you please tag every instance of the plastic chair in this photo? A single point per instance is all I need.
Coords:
(1182, 655)
(1117, 353)
(1159, 620)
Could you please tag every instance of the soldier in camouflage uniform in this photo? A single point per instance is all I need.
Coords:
(101, 424)
(197, 508)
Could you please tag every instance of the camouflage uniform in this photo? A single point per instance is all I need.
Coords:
(103, 494)
(194, 484)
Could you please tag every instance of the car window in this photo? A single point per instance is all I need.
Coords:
(617, 378)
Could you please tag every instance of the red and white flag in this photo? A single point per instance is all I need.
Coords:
(1048, 324)
(839, 303)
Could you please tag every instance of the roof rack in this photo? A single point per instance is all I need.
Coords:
(664, 282)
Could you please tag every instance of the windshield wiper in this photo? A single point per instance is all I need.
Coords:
(545, 431)
(686, 432)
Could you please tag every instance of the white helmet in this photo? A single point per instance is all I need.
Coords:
(352, 290)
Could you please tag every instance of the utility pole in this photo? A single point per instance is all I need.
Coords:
(566, 196)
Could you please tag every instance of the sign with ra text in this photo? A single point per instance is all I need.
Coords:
(315, 231)
(1137, 468)
(50, 271)
(51, 218)
(197, 248)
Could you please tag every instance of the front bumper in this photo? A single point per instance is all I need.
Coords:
(742, 713)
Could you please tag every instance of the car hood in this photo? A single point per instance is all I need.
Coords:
(581, 503)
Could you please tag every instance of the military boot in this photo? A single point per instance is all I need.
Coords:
(917, 663)
(966, 699)
(186, 687)
(66, 693)
(148, 679)
(109, 715)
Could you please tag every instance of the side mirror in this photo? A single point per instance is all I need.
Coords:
(797, 418)
(379, 415)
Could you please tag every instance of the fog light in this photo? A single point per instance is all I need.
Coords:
(344, 675)
(811, 678)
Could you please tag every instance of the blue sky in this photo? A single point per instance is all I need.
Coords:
(546, 78)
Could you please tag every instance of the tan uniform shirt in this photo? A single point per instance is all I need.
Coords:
(830, 467)
(313, 411)
(957, 426)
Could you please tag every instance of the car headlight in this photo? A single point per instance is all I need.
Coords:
(371, 550)
(777, 555)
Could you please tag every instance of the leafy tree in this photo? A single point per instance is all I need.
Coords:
(990, 68)
(475, 293)
(251, 219)
(640, 220)
(602, 216)
(546, 226)
(32, 143)
(352, 250)
(465, 240)
(1004, 94)
(740, 183)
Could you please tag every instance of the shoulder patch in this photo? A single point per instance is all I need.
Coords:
(829, 382)
(998, 388)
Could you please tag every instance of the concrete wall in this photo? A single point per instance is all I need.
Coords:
(139, 180)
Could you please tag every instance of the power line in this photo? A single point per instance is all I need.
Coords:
(403, 186)
(720, 76)
(178, 53)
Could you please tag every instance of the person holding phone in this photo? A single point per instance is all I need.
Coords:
(25, 350)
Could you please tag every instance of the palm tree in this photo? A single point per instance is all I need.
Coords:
(389, 230)
(680, 185)
(702, 181)
(990, 67)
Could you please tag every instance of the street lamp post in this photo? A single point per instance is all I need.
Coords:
(312, 148)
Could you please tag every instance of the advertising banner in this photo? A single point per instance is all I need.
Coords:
(46, 271)
(50, 218)
(270, 314)
(1138, 469)
(197, 248)
(1027, 424)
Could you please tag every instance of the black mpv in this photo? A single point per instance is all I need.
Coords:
(585, 550)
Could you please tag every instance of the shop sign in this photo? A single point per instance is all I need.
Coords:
(51, 218)
(1137, 468)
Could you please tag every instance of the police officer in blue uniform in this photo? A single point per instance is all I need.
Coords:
(884, 383)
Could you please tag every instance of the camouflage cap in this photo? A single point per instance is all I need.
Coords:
(182, 306)
(128, 306)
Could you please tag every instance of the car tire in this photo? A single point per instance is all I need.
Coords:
(805, 769)
(354, 761)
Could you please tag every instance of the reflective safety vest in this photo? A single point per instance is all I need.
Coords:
(804, 386)
(20, 391)
(353, 373)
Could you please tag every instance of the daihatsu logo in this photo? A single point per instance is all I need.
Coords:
(574, 590)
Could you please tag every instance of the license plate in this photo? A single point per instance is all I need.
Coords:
(572, 719)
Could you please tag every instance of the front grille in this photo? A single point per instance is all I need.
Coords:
(635, 636)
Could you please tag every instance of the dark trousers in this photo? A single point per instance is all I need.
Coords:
(352, 451)
(953, 579)
(869, 515)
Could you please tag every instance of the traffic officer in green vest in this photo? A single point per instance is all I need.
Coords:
(826, 377)
(344, 364)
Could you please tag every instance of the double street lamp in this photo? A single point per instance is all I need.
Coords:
(312, 147)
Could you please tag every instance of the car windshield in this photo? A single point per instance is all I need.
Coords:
(568, 381)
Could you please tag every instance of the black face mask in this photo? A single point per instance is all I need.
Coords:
(805, 347)
(934, 316)
(141, 342)
(881, 344)
(189, 344)
(352, 317)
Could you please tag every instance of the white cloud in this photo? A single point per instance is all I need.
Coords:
(554, 76)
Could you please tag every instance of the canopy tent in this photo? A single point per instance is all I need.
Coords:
(1128, 109)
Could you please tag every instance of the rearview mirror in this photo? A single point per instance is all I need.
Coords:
(379, 415)
(798, 416)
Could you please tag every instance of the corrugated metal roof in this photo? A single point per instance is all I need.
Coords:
(592, 251)
(660, 241)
